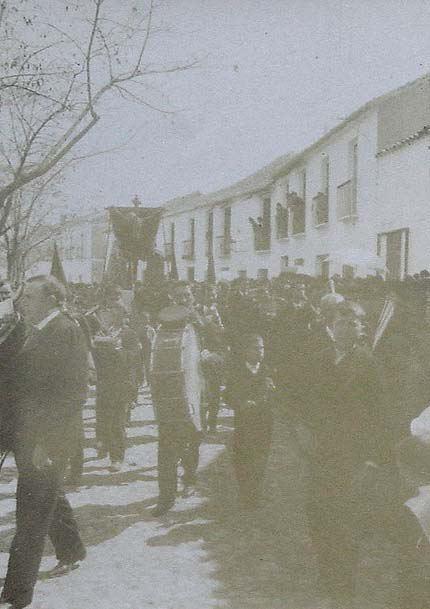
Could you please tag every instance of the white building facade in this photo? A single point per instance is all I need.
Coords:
(82, 244)
(355, 202)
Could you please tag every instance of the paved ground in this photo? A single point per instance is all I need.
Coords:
(202, 555)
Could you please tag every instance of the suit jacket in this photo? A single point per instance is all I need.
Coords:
(346, 412)
(252, 421)
(242, 385)
(53, 373)
(9, 351)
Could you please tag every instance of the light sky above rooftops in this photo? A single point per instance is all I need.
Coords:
(274, 76)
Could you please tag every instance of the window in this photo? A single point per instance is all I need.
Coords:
(227, 232)
(303, 185)
(281, 221)
(192, 235)
(210, 234)
(325, 174)
(346, 204)
(320, 208)
(262, 274)
(242, 274)
(227, 222)
(393, 247)
(284, 263)
(353, 159)
(189, 245)
(323, 266)
(299, 262)
(298, 218)
(262, 227)
(297, 206)
(266, 228)
(190, 273)
(320, 203)
(348, 271)
(353, 154)
(347, 192)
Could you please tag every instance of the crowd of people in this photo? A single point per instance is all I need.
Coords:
(344, 364)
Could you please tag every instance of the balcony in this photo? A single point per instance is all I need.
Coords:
(223, 246)
(261, 235)
(188, 249)
(297, 208)
(262, 241)
(346, 201)
(298, 220)
(320, 209)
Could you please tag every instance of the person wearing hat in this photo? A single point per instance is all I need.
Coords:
(178, 435)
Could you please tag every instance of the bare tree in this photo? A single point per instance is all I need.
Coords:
(30, 226)
(57, 71)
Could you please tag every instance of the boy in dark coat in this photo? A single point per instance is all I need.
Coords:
(249, 391)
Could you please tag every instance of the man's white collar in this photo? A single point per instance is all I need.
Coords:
(47, 319)
(254, 369)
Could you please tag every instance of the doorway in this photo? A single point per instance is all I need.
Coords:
(393, 247)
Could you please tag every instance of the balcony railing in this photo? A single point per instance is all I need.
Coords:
(320, 208)
(261, 235)
(188, 249)
(262, 241)
(346, 201)
(224, 246)
(298, 219)
(297, 208)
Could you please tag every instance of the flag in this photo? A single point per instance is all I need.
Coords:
(135, 229)
(57, 270)
(173, 274)
(211, 278)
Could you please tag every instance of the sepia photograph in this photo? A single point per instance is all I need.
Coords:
(214, 304)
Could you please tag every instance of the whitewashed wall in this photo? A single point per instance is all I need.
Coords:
(393, 192)
(336, 235)
(403, 198)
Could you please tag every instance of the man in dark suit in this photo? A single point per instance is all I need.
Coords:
(51, 381)
(350, 431)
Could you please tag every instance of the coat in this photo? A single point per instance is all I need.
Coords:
(9, 350)
(52, 376)
(346, 412)
(250, 395)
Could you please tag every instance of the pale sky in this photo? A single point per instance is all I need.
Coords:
(274, 76)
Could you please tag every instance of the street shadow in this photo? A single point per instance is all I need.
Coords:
(261, 558)
(114, 479)
(130, 441)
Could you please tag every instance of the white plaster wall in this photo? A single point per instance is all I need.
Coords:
(403, 198)
(393, 191)
(336, 235)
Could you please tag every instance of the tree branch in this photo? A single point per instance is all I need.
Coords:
(88, 57)
(136, 70)
(140, 100)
